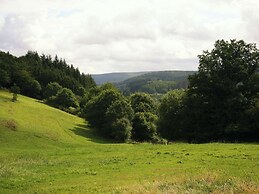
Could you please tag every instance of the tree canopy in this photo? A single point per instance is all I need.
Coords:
(225, 86)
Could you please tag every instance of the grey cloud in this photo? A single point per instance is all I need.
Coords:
(12, 33)
(119, 28)
(115, 35)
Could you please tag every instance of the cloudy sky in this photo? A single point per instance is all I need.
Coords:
(101, 36)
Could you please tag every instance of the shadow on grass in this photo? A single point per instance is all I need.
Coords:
(91, 134)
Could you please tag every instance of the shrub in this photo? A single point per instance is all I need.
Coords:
(66, 98)
(144, 126)
(121, 130)
(51, 90)
(15, 90)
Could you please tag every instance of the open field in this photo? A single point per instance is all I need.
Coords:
(44, 150)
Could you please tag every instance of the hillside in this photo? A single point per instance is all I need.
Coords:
(114, 77)
(45, 150)
(156, 82)
(29, 122)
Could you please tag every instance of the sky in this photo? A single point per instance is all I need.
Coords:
(101, 36)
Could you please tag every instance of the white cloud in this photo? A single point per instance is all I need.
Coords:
(120, 35)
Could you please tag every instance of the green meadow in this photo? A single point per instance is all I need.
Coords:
(45, 150)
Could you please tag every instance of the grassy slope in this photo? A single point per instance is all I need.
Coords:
(52, 151)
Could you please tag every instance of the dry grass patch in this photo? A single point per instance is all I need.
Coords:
(10, 124)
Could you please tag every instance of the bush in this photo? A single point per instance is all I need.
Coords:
(142, 102)
(144, 126)
(15, 90)
(51, 90)
(72, 110)
(66, 98)
(96, 108)
(121, 130)
(170, 114)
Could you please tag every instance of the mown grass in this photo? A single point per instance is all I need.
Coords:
(44, 150)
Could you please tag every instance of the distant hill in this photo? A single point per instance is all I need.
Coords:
(114, 77)
(155, 82)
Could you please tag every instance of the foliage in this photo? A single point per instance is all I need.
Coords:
(52, 89)
(144, 126)
(114, 77)
(119, 116)
(222, 90)
(145, 119)
(28, 85)
(120, 108)
(33, 73)
(121, 129)
(15, 90)
(171, 114)
(66, 98)
(109, 112)
(5, 78)
(142, 102)
(155, 82)
(34, 88)
(96, 107)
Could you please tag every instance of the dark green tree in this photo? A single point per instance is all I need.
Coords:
(52, 89)
(120, 108)
(224, 87)
(4, 78)
(171, 114)
(119, 116)
(96, 108)
(34, 88)
(15, 90)
(142, 102)
(121, 129)
(66, 98)
(144, 122)
(144, 126)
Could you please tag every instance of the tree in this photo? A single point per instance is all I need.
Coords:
(118, 116)
(144, 126)
(171, 114)
(15, 90)
(4, 78)
(120, 108)
(145, 120)
(142, 102)
(121, 129)
(52, 89)
(96, 107)
(66, 98)
(34, 88)
(109, 112)
(224, 87)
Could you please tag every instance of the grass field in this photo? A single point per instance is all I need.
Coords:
(44, 150)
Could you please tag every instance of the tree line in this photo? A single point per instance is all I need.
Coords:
(221, 102)
(32, 73)
(155, 82)
(53, 80)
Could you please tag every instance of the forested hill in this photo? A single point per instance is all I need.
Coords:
(156, 82)
(115, 77)
(32, 73)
